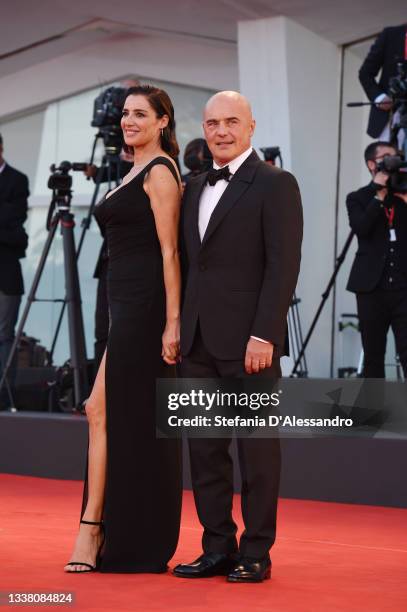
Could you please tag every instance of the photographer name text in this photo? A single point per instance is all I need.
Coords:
(256, 421)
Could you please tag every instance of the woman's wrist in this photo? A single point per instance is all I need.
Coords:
(173, 319)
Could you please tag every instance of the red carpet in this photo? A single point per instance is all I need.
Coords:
(328, 557)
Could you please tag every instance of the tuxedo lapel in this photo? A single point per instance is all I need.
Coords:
(237, 186)
(192, 203)
(5, 175)
(6, 182)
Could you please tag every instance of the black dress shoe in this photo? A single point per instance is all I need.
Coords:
(250, 570)
(206, 566)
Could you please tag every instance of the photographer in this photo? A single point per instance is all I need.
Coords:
(13, 243)
(379, 271)
(388, 49)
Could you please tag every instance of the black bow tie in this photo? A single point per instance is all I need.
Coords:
(218, 175)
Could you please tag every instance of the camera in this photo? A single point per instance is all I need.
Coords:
(107, 113)
(271, 154)
(107, 107)
(398, 84)
(396, 167)
(60, 179)
(398, 92)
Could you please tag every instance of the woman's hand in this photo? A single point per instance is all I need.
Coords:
(170, 340)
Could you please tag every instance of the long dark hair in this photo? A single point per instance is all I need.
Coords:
(160, 101)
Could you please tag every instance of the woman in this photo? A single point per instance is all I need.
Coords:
(132, 502)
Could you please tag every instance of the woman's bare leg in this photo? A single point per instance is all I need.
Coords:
(90, 536)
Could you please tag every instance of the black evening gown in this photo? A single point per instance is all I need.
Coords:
(144, 473)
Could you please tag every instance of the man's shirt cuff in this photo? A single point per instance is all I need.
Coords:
(380, 98)
(260, 339)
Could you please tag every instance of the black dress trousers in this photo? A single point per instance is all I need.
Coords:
(378, 311)
(212, 470)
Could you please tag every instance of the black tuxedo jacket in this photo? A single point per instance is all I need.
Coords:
(13, 239)
(240, 280)
(386, 51)
(369, 222)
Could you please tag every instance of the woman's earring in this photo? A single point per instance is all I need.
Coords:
(162, 132)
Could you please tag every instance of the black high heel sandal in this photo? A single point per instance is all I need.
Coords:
(92, 568)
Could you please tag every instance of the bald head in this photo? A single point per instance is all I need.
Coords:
(228, 125)
(228, 98)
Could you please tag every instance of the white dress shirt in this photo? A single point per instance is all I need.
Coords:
(211, 195)
(3, 165)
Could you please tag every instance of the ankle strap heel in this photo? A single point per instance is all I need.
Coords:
(89, 567)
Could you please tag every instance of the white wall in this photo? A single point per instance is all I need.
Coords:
(292, 77)
(353, 175)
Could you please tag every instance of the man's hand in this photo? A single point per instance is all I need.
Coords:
(259, 355)
(386, 104)
(90, 171)
(381, 178)
(402, 196)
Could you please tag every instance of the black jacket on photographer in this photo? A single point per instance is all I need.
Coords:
(379, 262)
(13, 239)
(387, 50)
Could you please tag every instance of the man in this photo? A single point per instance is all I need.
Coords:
(389, 48)
(13, 242)
(379, 272)
(242, 229)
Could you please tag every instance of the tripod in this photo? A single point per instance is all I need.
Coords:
(296, 338)
(59, 214)
(62, 196)
(325, 295)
